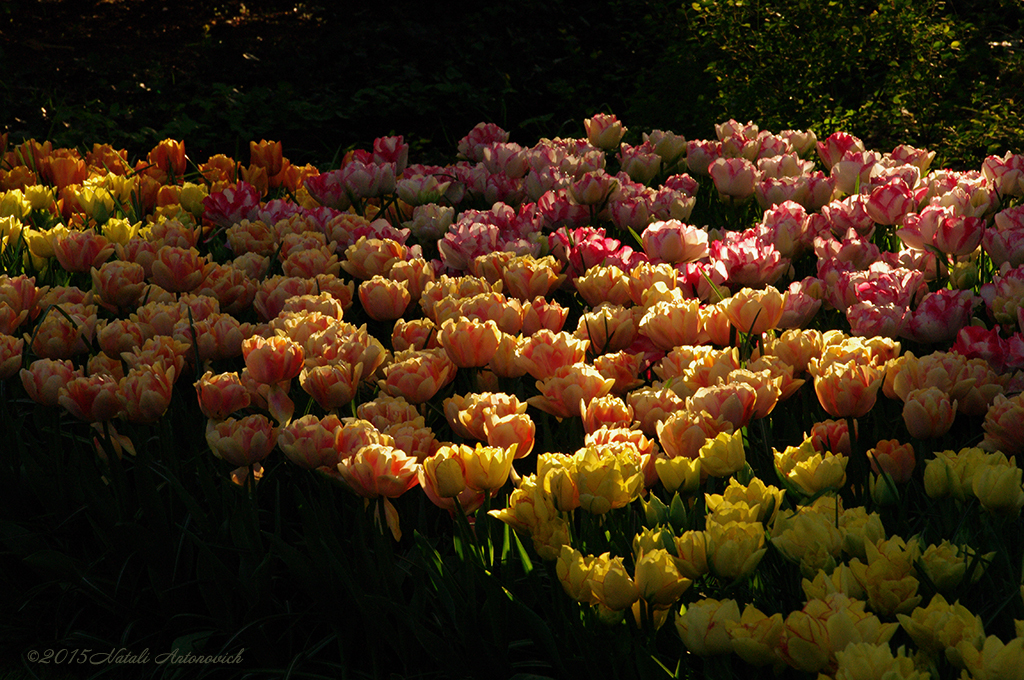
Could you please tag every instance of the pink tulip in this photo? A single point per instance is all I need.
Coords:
(1005, 174)
(959, 235)
(939, 317)
(734, 179)
(888, 203)
(835, 146)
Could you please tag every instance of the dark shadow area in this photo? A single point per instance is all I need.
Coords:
(322, 78)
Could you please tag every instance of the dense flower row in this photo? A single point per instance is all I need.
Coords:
(122, 279)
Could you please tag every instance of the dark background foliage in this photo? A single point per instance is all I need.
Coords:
(323, 77)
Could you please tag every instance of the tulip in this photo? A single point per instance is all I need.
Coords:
(606, 482)
(734, 549)
(272, 360)
(241, 442)
(679, 473)
(221, 395)
(723, 455)
(657, 578)
(331, 385)
(147, 392)
(469, 343)
(998, 489)
(10, 355)
(808, 538)
(418, 376)
(928, 412)
(703, 626)
(755, 636)
(887, 577)
(604, 131)
(384, 299)
(941, 627)
(44, 378)
(810, 471)
(847, 390)
(310, 442)
(734, 178)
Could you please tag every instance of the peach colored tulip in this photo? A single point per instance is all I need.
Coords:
(847, 390)
(10, 355)
(169, 157)
(147, 392)
(543, 353)
(221, 394)
(527, 277)
(755, 311)
(604, 284)
(515, 429)
(443, 479)
(928, 412)
(272, 360)
(418, 375)
(92, 399)
(44, 378)
(608, 328)
(607, 411)
(311, 262)
(563, 390)
(653, 404)
(179, 270)
(672, 324)
(386, 410)
(415, 334)
(540, 313)
(58, 338)
(467, 415)
(379, 470)
(1002, 425)
(241, 442)
(622, 367)
(505, 362)
(369, 257)
(683, 433)
(331, 385)
(384, 299)
(507, 313)
(80, 251)
(469, 344)
(895, 459)
(118, 284)
(832, 436)
(733, 402)
(412, 437)
(274, 291)
(311, 442)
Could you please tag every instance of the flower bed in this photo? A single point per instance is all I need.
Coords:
(751, 402)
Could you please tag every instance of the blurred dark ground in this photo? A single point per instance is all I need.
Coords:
(322, 78)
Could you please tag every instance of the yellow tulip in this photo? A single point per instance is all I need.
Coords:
(735, 548)
(702, 626)
(756, 636)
